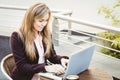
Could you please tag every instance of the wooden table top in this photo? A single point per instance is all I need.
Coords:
(92, 73)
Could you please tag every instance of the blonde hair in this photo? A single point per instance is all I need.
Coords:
(27, 34)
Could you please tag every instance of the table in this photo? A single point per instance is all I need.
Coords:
(92, 73)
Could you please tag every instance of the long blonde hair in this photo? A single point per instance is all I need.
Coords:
(27, 34)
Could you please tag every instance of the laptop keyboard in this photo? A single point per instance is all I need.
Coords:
(51, 76)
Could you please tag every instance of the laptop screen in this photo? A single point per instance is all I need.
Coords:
(79, 61)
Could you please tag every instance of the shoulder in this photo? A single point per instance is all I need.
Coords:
(15, 36)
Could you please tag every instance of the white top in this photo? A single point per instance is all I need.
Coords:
(40, 49)
(39, 46)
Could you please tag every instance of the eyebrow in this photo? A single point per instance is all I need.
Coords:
(44, 19)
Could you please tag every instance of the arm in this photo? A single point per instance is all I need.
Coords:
(57, 59)
(54, 58)
(22, 63)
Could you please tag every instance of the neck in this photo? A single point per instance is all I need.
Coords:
(37, 33)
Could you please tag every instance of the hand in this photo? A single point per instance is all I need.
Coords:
(64, 62)
(55, 68)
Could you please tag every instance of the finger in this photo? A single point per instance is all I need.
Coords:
(64, 65)
(65, 62)
(61, 70)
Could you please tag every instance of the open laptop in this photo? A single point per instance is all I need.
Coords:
(78, 62)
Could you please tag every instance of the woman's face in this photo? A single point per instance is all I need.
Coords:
(40, 23)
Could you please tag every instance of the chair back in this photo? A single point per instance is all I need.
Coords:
(7, 65)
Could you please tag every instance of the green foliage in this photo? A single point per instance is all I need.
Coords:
(111, 12)
(115, 44)
(107, 35)
(111, 53)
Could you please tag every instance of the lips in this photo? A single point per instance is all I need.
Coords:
(40, 28)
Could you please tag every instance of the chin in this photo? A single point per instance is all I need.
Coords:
(40, 30)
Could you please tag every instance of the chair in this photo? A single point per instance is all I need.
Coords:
(7, 65)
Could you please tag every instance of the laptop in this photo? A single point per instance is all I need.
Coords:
(78, 62)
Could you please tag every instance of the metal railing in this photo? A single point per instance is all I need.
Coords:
(71, 20)
(18, 9)
(61, 15)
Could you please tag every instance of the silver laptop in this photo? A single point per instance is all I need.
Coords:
(78, 62)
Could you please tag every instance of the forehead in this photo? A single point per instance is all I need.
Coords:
(44, 17)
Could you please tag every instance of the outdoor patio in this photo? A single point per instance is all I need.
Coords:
(65, 41)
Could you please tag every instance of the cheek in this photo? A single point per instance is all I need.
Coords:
(45, 23)
(35, 25)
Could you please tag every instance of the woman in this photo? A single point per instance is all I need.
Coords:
(32, 46)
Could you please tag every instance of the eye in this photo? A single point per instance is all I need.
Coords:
(47, 20)
(40, 20)
(43, 20)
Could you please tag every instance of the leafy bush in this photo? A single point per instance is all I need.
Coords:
(112, 13)
(115, 44)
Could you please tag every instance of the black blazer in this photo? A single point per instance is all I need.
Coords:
(25, 69)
